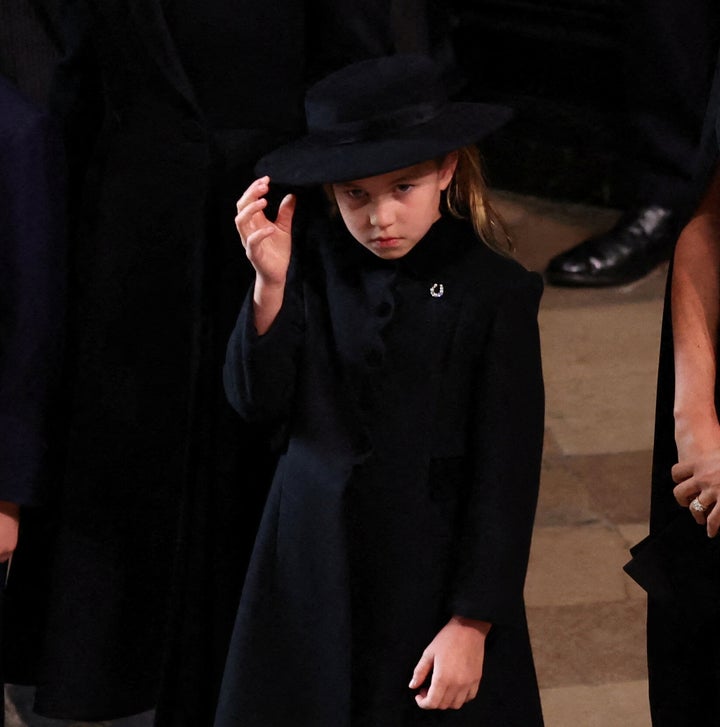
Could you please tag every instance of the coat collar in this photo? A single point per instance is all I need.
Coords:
(444, 245)
(435, 281)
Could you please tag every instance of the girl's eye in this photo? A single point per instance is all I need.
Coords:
(404, 187)
(354, 194)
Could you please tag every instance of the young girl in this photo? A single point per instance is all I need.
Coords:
(400, 354)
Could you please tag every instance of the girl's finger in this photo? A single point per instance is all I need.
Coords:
(246, 214)
(258, 188)
(286, 212)
(250, 219)
(433, 698)
(256, 238)
(421, 671)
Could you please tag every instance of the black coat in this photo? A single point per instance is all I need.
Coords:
(677, 563)
(167, 105)
(147, 429)
(32, 291)
(407, 489)
(32, 297)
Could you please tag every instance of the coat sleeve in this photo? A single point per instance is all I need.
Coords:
(509, 406)
(260, 371)
(32, 294)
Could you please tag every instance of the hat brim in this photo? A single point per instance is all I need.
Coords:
(311, 160)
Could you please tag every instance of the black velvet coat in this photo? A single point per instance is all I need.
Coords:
(677, 564)
(406, 491)
(167, 106)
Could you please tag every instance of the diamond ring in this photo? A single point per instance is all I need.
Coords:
(697, 506)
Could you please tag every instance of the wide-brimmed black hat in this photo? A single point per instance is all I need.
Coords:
(376, 116)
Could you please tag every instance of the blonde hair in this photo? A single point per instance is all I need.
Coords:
(467, 198)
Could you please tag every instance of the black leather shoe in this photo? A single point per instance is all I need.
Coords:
(641, 239)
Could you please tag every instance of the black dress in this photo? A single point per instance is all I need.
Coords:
(403, 495)
(677, 564)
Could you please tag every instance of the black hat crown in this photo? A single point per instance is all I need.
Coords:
(373, 98)
(375, 116)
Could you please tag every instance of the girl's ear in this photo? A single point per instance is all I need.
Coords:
(447, 169)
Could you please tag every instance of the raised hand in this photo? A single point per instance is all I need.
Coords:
(267, 244)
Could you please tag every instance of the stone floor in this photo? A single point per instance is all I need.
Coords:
(600, 351)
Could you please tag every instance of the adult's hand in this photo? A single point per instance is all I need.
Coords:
(699, 479)
(9, 526)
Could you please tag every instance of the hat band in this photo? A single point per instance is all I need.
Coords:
(376, 126)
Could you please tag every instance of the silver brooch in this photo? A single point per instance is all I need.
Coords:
(437, 290)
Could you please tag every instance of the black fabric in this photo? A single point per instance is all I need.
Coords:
(162, 484)
(32, 292)
(388, 512)
(668, 61)
(30, 46)
(32, 305)
(32, 298)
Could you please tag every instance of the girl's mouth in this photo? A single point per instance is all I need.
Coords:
(385, 241)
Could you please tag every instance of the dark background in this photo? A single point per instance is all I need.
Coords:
(558, 63)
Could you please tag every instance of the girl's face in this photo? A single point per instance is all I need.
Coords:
(390, 213)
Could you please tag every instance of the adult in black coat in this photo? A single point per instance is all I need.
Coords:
(668, 61)
(678, 564)
(32, 288)
(167, 106)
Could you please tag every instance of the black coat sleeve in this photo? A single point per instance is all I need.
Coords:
(260, 371)
(509, 405)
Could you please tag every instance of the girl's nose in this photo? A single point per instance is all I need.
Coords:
(380, 214)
